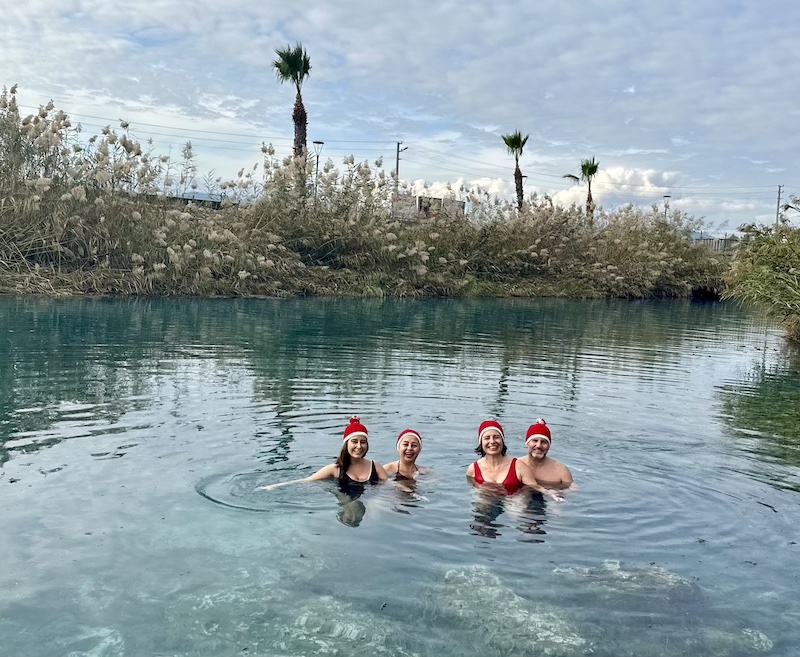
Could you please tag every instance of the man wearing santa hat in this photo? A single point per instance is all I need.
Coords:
(547, 470)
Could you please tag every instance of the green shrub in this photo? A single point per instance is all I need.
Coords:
(766, 272)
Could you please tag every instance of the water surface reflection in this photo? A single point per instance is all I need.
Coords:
(134, 434)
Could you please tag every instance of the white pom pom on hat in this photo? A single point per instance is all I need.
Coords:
(355, 428)
(538, 429)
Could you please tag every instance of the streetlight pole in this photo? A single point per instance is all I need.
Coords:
(397, 168)
(317, 150)
(666, 205)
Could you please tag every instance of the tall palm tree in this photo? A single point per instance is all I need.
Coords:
(588, 172)
(294, 65)
(515, 142)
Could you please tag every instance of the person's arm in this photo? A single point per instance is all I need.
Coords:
(471, 475)
(323, 473)
(525, 475)
(381, 471)
(566, 478)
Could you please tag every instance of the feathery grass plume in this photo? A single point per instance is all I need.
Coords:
(106, 214)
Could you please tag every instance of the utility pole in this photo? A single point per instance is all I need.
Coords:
(778, 209)
(397, 168)
(317, 149)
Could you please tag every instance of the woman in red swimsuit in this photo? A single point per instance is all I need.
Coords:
(497, 469)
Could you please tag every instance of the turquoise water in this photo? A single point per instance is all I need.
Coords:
(133, 435)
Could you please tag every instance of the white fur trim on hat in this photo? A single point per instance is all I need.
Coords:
(409, 432)
(539, 429)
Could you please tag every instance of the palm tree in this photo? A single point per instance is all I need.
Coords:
(515, 143)
(588, 171)
(294, 65)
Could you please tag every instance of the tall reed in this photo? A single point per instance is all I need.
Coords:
(766, 273)
(104, 215)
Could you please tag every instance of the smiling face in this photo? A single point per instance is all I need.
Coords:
(492, 442)
(538, 446)
(357, 446)
(409, 448)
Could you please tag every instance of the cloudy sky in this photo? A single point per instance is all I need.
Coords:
(695, 99)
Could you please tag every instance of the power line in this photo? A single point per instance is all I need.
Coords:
(612, 188)
(108, 121)
(446, 166)
(484, 163)
(431, 158)
(429, 153)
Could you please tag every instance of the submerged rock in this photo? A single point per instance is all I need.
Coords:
(723, 643)
(102, 642)
(326, 626)
(654, 611)
(501, 619)
(611, 578)
(259, 622)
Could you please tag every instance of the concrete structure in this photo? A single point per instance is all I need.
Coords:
(408, 206)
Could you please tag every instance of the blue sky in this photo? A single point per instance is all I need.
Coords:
(696, 99)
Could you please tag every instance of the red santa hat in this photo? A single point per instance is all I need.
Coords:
(490, 424)
(408, 433)
(538, 430)
(355, 428)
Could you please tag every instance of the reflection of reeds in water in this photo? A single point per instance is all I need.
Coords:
(296, 350)
(764, 413)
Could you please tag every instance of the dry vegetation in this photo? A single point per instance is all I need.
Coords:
(766, 272)
(99, 215)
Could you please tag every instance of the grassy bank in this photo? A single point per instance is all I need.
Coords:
(97, 215)
(766, 273)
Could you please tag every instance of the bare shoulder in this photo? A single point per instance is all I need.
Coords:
(522, 466)
(471, 470)
(391, 468)
(562, 471)
(382, 474)
(325, 472)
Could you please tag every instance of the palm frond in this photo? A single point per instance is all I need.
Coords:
(292, 64)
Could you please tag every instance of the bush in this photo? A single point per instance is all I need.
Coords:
(766, 272)
(104, 215)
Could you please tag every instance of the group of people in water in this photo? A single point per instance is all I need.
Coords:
(494, 468)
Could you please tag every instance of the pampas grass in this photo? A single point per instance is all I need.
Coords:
(766, 273)
(102, 215)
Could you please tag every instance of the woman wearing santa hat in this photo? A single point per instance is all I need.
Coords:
(350, 468)
(409, 445)
(498, 470)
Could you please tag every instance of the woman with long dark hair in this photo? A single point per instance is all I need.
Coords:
(351, 468)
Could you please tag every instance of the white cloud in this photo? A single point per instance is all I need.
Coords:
(447, 78)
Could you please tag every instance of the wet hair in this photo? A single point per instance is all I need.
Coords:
(344, 459)
(479, 449)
